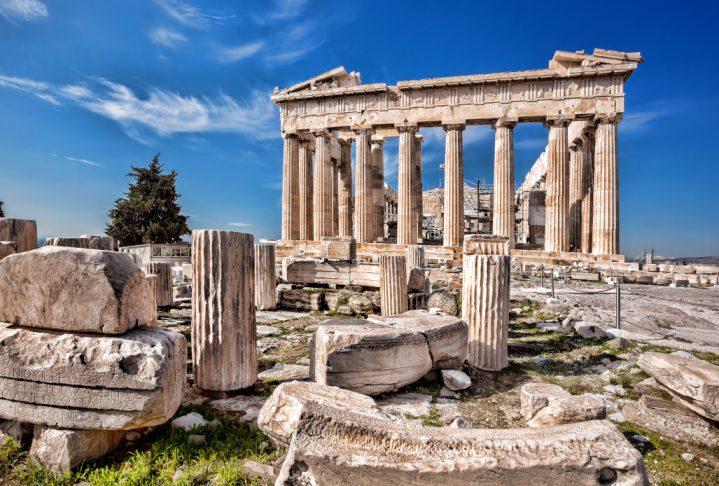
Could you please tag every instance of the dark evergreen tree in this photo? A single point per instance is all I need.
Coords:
(149, 213)
(2, 211)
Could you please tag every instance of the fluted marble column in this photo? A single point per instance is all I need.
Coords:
(556, 231)
(345, 188)
(290, 195)
(378, 188)
(576, 176)
(224, 345)
(418, 206)
(364, 199)
(305, 190)
(587, 190)
(503, 212)
(393, 284)
(322, 203)
(335, 197)
(605, 219)
(485, 301)
(265, 278)
(415, 256)
(406, 215)
(453, 186)
(163, 284)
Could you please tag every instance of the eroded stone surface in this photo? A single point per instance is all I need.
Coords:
(367, 357)
(22, 231)
(338, 446)
(456, 380)
(74, 289)
(280, 415)
(94, 382)
(578, 408)
(536, 396)
(60, 450)
(695, 383)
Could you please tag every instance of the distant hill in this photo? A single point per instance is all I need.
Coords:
(706, 260)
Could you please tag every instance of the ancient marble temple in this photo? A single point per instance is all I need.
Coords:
(579, 98)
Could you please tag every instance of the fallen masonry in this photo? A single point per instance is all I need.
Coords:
(333, 445)
(385, 353)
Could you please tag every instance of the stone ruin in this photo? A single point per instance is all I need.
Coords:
(81, 357)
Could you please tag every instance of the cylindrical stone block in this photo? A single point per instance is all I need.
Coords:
(378, 187)
(605, 230)
(265, 279)
(587, 189)
(224, 346)
(406, 215)
(453, 186)
(418, 203)
(305, 188)
(345, 189)
(503, 211)
(556, 232)
(322, 188)
(163, 289)
(290, 195)
(415, 256)
(393, 284)
(364, 203)
(485, 306)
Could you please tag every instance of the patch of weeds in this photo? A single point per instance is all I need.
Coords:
(578, 389)
(10, 455)
(426, 388)
(709, 357)
(432, 419)
(664, 462)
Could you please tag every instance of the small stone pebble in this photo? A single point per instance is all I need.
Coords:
(688, 456)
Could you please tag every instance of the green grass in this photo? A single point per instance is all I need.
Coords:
(156, 459)
(432, 419)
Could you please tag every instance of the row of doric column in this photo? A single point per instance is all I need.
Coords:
(580, 207)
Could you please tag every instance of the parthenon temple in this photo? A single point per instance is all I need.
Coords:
(574, 185)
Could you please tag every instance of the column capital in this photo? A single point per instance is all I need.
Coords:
(505, 121)
(345, 142)
(321, 133)
(304, 143)
(606, 118)
(419, 138)
(377, 141)
(289, 135)
(363, 130)
(556, 122)
(406, 127)
(453, 126)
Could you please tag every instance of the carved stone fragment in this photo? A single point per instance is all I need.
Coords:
(60, 450)
(22, 231)
(163, 284)
(74, 289)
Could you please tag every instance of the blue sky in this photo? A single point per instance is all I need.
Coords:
(88, 88)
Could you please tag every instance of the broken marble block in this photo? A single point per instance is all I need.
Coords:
(22, 231)
(334, 445)
(338, 248)
(60, 450)
(446, 335)
(73, 289)
(576, 408)
(692, 382)
(281, 413)
(535, 396)
(83, 381)
(7, 248)
(368, 357)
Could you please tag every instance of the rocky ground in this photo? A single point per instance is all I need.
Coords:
(541, 350)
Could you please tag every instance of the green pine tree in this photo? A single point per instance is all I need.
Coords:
(149, 213)
(2, 211)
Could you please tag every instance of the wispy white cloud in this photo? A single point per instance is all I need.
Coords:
(166, 37)
(191, 16)
(640, 120)
(537, 143)
(76, 159)
(239, 225)
(296, 42)
(237, 53)
(280, 11)
(25, 10)
(160, 111)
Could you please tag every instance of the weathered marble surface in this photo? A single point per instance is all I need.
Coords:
(280, 415)
(367, 357)
(21, 231)
(74, 289)
(338, 446)
(693, 382)
(338, 248)
(91, 381)
(59, 450)
(7, 248)
(535, 396)
(163, 283)
(445, 335)
(578, 408)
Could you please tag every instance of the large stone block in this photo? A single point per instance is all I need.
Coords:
(280, 415)
(87, 381)
(100, 242)
(163, 283)
(445, 335)
(338, 248)
(71, 242)
(7, 248)
(73, 289)
(367, 357)
(535, 396)
(21, 231)
(693, 382)
(60, 450)
(338, 446)
(577, 408)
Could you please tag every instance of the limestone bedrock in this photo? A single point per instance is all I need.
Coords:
(73, 289)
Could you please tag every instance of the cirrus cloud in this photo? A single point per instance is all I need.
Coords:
(26, 10)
